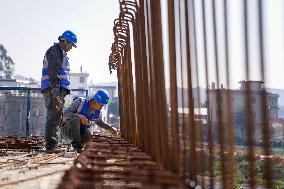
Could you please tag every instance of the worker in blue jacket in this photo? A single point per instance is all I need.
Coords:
(82, 113)
(55, 85)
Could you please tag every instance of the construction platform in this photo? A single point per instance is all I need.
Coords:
(109, 162)
(106, 162)
(23, 164)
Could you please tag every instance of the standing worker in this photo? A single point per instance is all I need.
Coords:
(82, 113)
(55, 85)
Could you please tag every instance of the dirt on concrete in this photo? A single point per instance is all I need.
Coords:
(37, 170)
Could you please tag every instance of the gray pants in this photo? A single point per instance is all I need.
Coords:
(75, 132)
(54, 105)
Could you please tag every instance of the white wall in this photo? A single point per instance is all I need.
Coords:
(8, 83)
(76, 83)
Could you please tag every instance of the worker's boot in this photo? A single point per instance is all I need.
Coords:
(78, 147)
(54, 150)
(78, 150)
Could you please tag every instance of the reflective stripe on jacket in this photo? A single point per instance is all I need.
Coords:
(84, 109)
(62, 71)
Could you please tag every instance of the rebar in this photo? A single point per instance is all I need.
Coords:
(114, 162)
(164, 53)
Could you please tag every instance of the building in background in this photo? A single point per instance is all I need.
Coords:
(14, 116)
(111, 89)
(8, 82)
(238, 110)
(28, 82)
(277, 125)
(14, 104)
(19, 81)
(79, 81)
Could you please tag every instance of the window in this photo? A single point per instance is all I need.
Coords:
(82, 80)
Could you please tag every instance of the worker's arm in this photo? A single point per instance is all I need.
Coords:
(104, 125)
(54, 57)
(71, 111)
(97, 119)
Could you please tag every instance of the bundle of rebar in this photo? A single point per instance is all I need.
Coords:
(25, 144)
(163, 52)
(108, 162)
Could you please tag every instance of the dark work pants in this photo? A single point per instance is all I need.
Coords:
(54, 105)
(75, 132)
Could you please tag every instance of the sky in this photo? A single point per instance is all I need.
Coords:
(273, 32)
(30, 27)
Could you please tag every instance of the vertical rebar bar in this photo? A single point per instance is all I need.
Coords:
(146, 120)
(268, 173)
(249, 123)
(209, 126)
(174, 154)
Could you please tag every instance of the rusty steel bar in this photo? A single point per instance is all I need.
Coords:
(114, 162)
(229, 164)
(146, 113)
(149, 106)
(209, 131)
(190, 141)
(191, 131)
(220, 115)
(143, 69)
(249, 122)
(183, 65)
(138, 79)
(29, 162)
(148, 57)
(174, 149)
(198, 130)
(16, 143)
(158, 87)
(181, 128)
(266, 133)
(153, 59)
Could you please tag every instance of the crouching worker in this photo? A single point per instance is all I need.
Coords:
(80, 115)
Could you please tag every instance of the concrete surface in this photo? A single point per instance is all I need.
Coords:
(32, 175)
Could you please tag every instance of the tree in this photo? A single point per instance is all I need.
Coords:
(113, 107)
(2, 58)
(7, 65)
(239, 120)
(9, 68)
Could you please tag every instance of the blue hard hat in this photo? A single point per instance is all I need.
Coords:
(101, 96)
(70, 36)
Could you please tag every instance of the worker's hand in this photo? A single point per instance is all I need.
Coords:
(83, 119)
(112, 131)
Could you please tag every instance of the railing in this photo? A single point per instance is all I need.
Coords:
(22, 110)
(163, 53)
